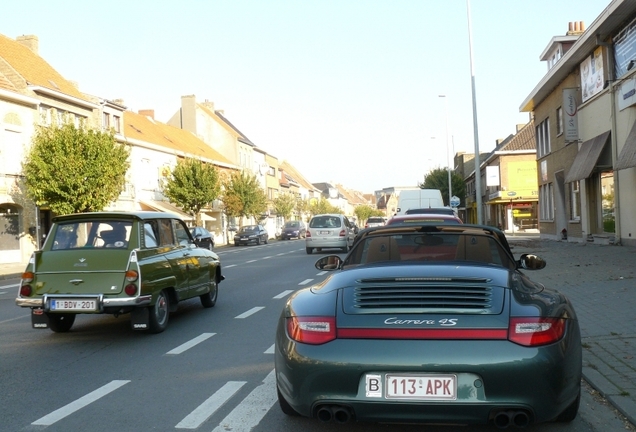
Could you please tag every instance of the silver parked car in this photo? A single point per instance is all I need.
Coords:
(329, 231)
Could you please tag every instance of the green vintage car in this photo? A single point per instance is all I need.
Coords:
(141, 263)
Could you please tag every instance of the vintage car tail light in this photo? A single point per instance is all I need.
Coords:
(28, 277)
(342, 233)
(536, 331)
(26, 290)
(130, 289)
(132, 275)
(312, 330)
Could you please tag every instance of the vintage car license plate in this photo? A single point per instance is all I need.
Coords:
(73, 304)
(421, 387)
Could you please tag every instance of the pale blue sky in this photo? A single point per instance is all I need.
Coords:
(346, 91)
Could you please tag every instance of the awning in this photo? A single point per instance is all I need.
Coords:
(627, 158)
(164, 206)
(587, 157)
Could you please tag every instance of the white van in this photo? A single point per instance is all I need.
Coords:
(419, 199)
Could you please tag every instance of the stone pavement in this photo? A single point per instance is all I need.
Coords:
(600, 280)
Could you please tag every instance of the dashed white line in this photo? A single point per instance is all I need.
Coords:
(283, 294)
(250, 261)
(322, 273)
(9, 286)
(270, 350)
(253, 408)
(228, 266)
(186, 346)
(305, 282)
(209, 407)
(80, 403)
(250, 312)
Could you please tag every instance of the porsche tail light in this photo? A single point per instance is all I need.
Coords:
(312, 330)
(536, 331)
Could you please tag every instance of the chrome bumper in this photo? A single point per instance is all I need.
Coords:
(42, 302)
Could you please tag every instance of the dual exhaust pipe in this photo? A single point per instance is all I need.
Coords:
(338, 413)
(518, 418)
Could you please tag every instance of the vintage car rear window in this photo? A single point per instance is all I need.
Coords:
(92, 234)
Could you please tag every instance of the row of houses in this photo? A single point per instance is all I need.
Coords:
(33, 93)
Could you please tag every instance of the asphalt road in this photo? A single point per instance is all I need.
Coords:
(211, 370)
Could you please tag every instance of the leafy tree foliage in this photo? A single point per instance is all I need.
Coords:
(363, 212)
(75, 169)
(438, 179)
(285, 204)
(243, 196)
(193, 185)
(302, 207)
(323, 206)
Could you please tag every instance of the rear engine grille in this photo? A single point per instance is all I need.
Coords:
(403, 297)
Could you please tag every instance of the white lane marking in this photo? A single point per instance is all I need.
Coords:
(250, 261)
(281, 254)
(305, 282)
(13, 319)
(209, 407)
(66, 410)
(322, 273)
(250, 312)
(267, 257)
(283, 294)
(228, 266)
(270, 350)
(186, 346)
(9, 286)
(252, 409)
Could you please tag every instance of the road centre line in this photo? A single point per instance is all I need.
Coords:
(252, 409)
(250, 261)
(192, 342)
(270, 350)
(322, 273)
(9, 286)
(209, 407)
(305, 282)
(267, 257)
(283, 294)
(80, 403)
(228, 266)
(250, 312)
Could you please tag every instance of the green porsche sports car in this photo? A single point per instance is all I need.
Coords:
(431, 323)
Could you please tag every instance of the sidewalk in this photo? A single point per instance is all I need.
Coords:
(600, 280)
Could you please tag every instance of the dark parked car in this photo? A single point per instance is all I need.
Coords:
(431, 324)
(202, 237)
(293, 229)
(117, 263)
(251, 234)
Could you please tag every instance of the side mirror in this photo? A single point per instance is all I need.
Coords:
(329, 262)
(531, 262)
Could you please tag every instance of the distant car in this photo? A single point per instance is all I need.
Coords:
(117, 263)
(429, 324)
(293, 229)
(374, 221)
(329, 231)
(251, 234)
(202, 237)
(431, 210)
(409, 219)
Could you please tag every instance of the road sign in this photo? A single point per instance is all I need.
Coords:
(454, 201)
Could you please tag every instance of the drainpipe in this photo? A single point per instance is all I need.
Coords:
(617, 218)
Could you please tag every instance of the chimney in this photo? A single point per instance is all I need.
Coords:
(209, 105)
(148, 113)
(575, 28)
(29, 41)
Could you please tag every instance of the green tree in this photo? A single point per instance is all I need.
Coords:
(75, 169)
(363, 212)
(302, 207)
(323, 206)
(284, 205)
(193, 185)
(438, 179)
(243, 196)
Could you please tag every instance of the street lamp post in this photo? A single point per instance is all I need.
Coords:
(448, 155)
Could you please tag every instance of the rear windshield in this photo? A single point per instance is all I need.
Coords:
(325, 222)
(430, 247)
(292, 224)
(92, 234)
(375, 220)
